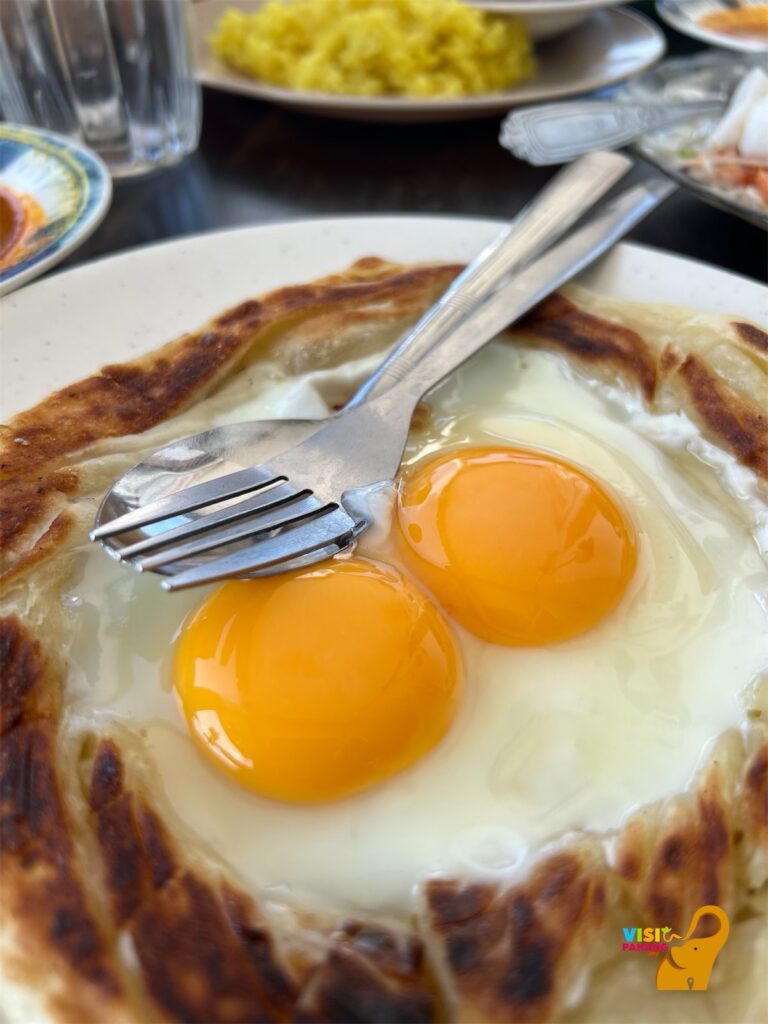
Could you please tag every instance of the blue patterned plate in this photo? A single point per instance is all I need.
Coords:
(53, 194)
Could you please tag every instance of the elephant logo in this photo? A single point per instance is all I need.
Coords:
(689, 965)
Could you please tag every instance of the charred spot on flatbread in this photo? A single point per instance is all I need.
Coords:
(42, 885)
(509, 953)
(371, 973)
(738, 426)
(34, 518)
(752, 335)
(593, 340)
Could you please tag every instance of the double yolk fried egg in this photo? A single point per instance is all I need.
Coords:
(319, 684)
(558, 617)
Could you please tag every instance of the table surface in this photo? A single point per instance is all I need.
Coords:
(258, 164)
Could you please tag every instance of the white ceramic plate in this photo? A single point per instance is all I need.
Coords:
(546, 18)
(684, 15)
(115, 309)
(607, 48)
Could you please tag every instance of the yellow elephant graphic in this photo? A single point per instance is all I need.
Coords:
(689, 966)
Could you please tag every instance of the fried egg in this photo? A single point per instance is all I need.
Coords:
(341, 733)
(519, 547)
(318, 684)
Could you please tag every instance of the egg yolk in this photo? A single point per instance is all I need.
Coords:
(519, 547)
(317, 684)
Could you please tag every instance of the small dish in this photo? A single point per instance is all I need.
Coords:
(609, 47)
(686, 16)
(53, 194)
(710, 75)
(546, 18)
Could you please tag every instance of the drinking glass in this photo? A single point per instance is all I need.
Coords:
(116, 74)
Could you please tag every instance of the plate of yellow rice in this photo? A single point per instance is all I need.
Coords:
(409, 60)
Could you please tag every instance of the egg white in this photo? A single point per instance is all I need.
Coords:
(547, 739)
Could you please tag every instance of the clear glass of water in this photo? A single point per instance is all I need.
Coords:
(118, 75)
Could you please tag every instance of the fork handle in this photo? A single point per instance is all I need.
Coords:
(556, 208)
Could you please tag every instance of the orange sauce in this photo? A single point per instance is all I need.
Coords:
(20, 217)
(751, 21)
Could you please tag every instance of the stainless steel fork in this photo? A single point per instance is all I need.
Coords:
(304, 504)
(545, 219)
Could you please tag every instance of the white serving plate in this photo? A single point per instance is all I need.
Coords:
(60, 329)
(607, 48)
(546, 18)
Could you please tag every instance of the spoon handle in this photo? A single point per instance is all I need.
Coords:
(555, 209)
(558, 132)
(516, 297)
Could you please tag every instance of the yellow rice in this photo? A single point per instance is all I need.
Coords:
(438, 48)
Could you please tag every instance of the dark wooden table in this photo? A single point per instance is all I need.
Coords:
(257, 164)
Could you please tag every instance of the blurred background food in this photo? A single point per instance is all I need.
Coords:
(438, 48)
(53, 194)
(20, 216)
(125, 80)
(605, 46)
(736, 154)
(728, 24)
(721, 157)
(748, 20)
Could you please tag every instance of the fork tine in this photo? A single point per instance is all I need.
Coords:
(262, 502)
(230, 485)
(284, 517)
(333, 528)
